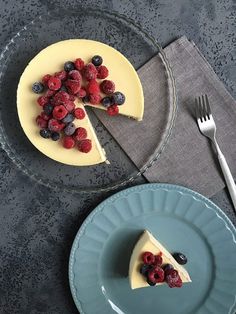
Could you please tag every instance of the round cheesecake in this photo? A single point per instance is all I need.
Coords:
(51, 60)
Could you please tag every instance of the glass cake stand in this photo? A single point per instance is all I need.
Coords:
(108, 27)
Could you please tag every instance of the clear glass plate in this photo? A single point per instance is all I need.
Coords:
(110, 28)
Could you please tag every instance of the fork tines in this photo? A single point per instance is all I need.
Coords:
(202, 107)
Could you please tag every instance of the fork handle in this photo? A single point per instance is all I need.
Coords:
(227, 174)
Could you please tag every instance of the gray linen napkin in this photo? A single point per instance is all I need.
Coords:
(188, 158)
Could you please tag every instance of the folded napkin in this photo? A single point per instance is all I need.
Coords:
(188, 158)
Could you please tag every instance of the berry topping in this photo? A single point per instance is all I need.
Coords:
(42, 100)
(85, 146)
(150, 282)
(94, 99)
(113, 110)
(156, 275)
(68, 118)
(68, 142)
(118, 98)
(59, 112)
(75, 75)
(62, 75)
(85, 99)
(80, 134)
(45, 116)
(107, 87)
(145, 269)
(54, 83)
(69, 66)
(41, 122)
(73, 86)
(173, 279)
(45, 79)
(97, 60)
(48, 108)
(49, 93)
(69, 129)
(158, 260)
(72, 97)
(79, 113)
(69, 105)
(79, 64)
(81, 93)
(106, 101)
(180, 258)
(60, 98)
(63, 89)
(37, 87)
(90, 72)
(102, 72)
(55, 126)
(55, 136)
(167, 267)
(93, 87)
(45, 133)
(148, 258)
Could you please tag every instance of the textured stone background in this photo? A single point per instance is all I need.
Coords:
(37, 226)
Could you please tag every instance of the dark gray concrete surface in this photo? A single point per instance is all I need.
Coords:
(37, 225)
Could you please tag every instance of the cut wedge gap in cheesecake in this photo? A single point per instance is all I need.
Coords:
(152, 264)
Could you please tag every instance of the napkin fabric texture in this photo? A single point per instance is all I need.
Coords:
(188, 158)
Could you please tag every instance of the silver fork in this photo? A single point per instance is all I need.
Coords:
(207, 127)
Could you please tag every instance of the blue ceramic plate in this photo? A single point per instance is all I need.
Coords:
(182, 220)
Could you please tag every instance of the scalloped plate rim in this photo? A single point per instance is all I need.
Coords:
(139, 188)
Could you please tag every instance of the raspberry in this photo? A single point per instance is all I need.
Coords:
(75, 75)
(94, 99)
(45, 79)
(85, 146)
(60, 98)
(80, 134)
(113, 110)
(79, 64)
(148, 258)
(107, 87)
(54, 83)
(93, 87)
(55, 126)
(102, 72)
(42, 100)
(68, 142)
(173, 279)
(156, 275)
(50, 93)
(59, 112)
(90, 72)
(73, 86)
(79, 113)
(72, 97)
(81, 93)
(158, 260)
(41, 122)
(69, 105)
(45, 116)
(62, 75)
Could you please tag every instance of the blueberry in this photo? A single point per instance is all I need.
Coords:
(167, 267)
(69, 118)
(180, 258)
(45, 133)
(106, 101)
(70, 129)
(55, 136)
(37, 87)
(48, 108)
(63, 89)
(118, 98)
(144, 269)
(85, 99)
(69, 66)
(151, 283)
(97, 60)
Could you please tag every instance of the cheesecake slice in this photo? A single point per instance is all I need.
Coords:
(51, 60)
(147, 243)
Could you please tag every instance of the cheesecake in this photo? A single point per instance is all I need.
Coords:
(51, 60)
(147, 243)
